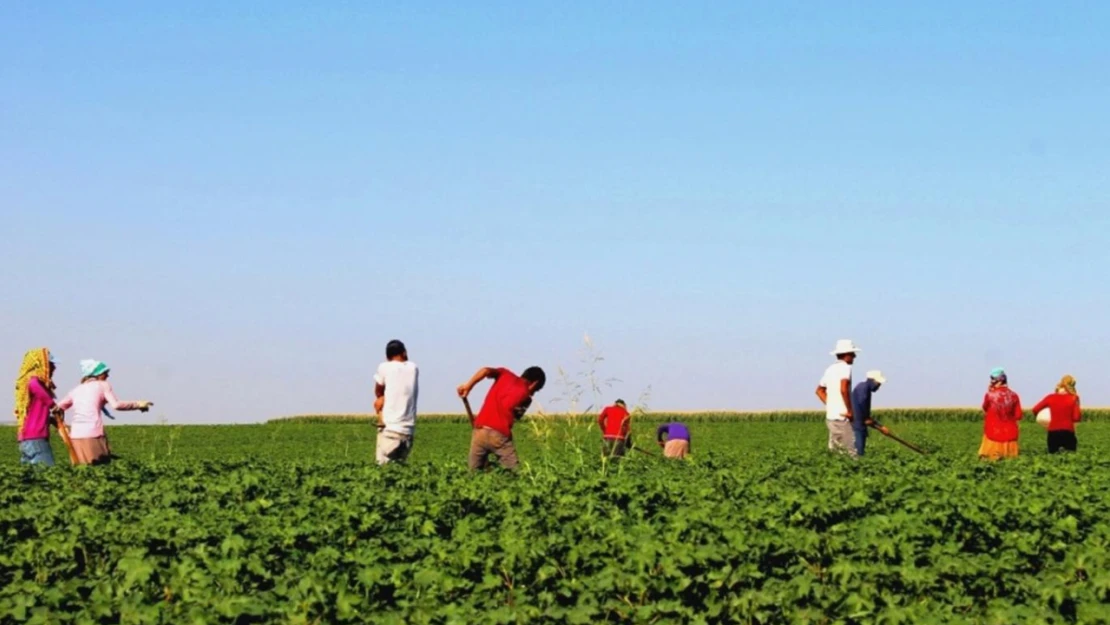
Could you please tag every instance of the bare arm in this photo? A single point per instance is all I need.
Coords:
(823, 395)
(482, 374)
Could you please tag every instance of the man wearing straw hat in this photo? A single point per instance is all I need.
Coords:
(861, 409)
(834, 390)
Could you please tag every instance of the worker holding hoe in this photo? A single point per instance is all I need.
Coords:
(834, 391)
(616, 430)
(507, 401)
(396, 386)
(861, 409)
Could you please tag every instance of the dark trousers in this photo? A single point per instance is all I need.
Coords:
(861, 439)
(614, 447)
(1061, 440)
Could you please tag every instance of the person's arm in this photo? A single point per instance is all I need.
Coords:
(379, 392)
(1017, 416)
(1076, 414)
(823, 395)
(521, 408)
(116, 404)
(66, 403)
(601, 419)
(659, 433)
(846, 394)
(986, 402)
(482, 374)
(1041, 406)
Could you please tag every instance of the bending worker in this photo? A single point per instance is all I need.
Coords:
(674, 438)
(861, 409)
(616, 430)
(506, 402)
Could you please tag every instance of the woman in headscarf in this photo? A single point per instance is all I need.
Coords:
(1063, 406)
(88, 401)
(34, 403)
(1002, 408)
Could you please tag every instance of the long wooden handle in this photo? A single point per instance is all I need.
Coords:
(903, 442)
(64, 432)
(469, 412)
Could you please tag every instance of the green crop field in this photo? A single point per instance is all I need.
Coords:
(290, 522)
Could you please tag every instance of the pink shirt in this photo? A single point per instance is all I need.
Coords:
(87, 401)
(37, 423)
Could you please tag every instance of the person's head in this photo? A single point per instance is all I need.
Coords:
(620, 402)
(395, 350)
(998, 377)
(845, 350)
(877, 379)
(536, 378)
(1067, 386)
(93, 370)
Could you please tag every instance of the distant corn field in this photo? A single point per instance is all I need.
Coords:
(893, 415)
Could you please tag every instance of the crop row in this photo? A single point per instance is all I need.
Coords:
(924, 415)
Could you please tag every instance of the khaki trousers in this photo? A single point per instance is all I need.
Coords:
(485, 442)
(841, 437)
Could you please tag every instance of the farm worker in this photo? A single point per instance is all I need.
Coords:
(507, 401)
(88, 401)
(616, 429)
(396, 385)
(1002, 408)
(861, 409)
(833, 390)
(674, 438)
(34, 403)
(1063, 406)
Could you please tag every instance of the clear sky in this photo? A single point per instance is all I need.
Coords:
(236, 205)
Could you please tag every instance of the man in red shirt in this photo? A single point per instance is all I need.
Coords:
(616, 429)
(507, 401)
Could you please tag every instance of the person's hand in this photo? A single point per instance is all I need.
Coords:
(145, 405)
(869, 423)
(884, 429)
(379, 404)
(847, 414)
(464, 391)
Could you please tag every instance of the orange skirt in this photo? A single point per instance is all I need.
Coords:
(676, 448)
(993, 450)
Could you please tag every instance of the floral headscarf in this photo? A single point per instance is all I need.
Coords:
(36, 364)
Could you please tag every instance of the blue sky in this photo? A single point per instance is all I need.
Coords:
(236, 205)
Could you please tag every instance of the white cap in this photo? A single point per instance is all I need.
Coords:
(845, 346)
(877, 376)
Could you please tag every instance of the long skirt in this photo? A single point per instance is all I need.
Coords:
(993, 450)
(676, 448)
(91, 450)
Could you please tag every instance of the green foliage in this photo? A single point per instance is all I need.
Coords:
(895, 415)
(291, 523)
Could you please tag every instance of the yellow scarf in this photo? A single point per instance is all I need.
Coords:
(1067, 384)
(36, 364)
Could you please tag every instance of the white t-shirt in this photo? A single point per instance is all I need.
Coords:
(834, 407)
(402, 384)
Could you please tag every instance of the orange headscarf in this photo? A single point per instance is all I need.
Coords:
(1067, 384)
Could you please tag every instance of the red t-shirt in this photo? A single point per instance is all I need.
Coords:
(614, 422)
(1064, 409)
(1003, 411)
(498, 412)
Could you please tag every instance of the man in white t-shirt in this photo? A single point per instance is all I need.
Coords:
(834, 390)
(396, 386)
